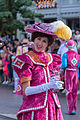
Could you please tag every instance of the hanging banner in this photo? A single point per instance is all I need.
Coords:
(41, 4)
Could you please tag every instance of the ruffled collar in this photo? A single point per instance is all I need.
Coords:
(40, 54)
(43, 56)
(39, 57)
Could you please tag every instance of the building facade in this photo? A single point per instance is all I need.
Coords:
(66, 10)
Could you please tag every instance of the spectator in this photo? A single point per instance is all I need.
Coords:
(56, 46)
(23, 47)
(8, 38)
(9, 62)
(77, 36)
(1, 69)
(5, 68)
(4, 63)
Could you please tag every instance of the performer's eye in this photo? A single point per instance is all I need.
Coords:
(39, 38)
(44, 41)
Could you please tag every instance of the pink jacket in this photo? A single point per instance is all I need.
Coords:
(38, 72)
(72, 59)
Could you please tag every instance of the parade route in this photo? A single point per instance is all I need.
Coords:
(10, 103)
(9, 115)
(63, 102)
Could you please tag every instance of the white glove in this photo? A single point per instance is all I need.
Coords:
(44, 87)
(58, 83)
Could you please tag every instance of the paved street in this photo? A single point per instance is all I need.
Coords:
(64, 108)
(10, 103)
(6, 118)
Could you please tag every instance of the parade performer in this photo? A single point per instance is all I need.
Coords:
(39, 74)
(23, 48)
(70, 62)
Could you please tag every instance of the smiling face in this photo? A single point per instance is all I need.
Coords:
(40, 44)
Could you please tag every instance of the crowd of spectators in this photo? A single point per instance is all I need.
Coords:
(11, 47)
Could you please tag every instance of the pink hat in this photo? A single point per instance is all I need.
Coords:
(40, 27)
(70, 44)
(56, 29)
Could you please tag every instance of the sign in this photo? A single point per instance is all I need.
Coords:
(41, 4)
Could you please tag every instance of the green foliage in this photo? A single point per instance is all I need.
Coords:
(5, 15)
(2, 5)
(40, 16)
(5, 27)
(8, 14)
(16, 24)
(20, 3)
(26, 13)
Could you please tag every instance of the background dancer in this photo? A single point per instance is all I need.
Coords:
(70, 62)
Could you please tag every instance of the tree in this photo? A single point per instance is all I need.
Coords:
(8, 14)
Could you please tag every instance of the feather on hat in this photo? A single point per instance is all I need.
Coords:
(56, 29)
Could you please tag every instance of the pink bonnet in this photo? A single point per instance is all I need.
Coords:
(70, 44)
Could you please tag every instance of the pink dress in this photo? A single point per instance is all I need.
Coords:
(71, 81)
(38, 67)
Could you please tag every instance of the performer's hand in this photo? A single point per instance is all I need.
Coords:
(61, 70)
(54, 79)
(56, 83)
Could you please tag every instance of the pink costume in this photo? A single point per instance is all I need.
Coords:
(71, 77)
(37, 68)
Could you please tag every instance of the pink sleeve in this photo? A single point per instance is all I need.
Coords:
(56, 61)
(23, 68)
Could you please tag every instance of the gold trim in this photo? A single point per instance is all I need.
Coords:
(36, 58)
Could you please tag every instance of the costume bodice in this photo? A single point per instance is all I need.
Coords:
(72, 59)
(36, 67)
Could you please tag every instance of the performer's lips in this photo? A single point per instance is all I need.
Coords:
(39, 47)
